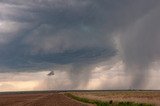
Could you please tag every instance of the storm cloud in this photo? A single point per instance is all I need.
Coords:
(38, 35)
(140, 44)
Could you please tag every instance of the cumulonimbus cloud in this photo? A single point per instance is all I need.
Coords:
(42, 34)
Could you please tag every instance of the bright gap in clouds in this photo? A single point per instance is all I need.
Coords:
(20, 81)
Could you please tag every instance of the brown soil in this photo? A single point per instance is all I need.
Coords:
(43, 99)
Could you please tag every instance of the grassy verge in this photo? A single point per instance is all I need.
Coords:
(102, 103)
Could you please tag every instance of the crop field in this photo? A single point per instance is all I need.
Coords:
(81, 98)
(149, 97)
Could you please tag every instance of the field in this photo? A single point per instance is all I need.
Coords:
(150, 97)
(37, 99)
(60, 98)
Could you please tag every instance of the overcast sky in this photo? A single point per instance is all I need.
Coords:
(90, 44)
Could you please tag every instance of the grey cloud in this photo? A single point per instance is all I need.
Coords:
(59, 35)
(140, 44)
(76, 32)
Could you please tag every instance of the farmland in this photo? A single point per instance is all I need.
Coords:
(150, 97)
(37, 99)
(75, 98)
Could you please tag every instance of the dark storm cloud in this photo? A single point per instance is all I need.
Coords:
(38, 34)
(58, 32)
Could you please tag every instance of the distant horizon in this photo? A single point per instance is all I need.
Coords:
(47, 91)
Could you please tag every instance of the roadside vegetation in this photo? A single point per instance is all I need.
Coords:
(102, 103)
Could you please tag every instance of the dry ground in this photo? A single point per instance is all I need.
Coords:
(152, 97)
(38, 99)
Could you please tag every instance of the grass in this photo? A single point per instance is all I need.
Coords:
(102, 103)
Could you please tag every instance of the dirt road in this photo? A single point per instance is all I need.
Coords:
(44, 99)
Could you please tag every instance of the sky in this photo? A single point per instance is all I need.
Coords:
(89, 44)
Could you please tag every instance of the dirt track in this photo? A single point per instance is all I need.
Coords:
(44, 99)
